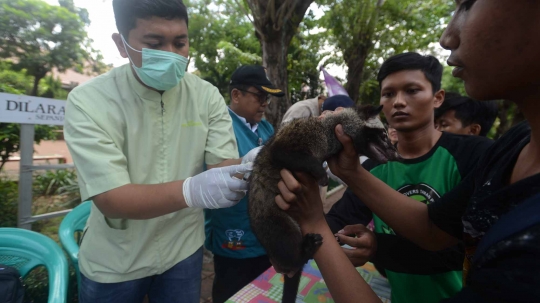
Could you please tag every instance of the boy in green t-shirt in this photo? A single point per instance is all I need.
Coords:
(433, 163)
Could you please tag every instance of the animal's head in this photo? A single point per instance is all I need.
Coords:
(368, 133)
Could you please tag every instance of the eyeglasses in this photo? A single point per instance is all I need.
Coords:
(262, 98)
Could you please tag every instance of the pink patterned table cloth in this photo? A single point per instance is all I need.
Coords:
(268, 287)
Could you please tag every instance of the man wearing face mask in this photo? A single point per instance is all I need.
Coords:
(141, 137)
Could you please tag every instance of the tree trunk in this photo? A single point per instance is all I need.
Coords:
(275, 61)
(355, 72)
(357, 54)
(276, 23)
(35, 87)
(37, 77)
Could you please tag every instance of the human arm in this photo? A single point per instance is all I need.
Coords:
(215, 188)
(102, 168)
(302, 201)
(390, 205)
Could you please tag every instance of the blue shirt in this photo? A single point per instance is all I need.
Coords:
(228, 231)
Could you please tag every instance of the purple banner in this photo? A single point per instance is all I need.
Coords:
(332, 85)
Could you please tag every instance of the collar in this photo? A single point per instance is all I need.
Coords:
(253, 127)
(143, 91)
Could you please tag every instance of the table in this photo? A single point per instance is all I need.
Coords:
(268, 287)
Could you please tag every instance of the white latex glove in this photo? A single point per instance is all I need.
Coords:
(331, 175)
(250, 157)
(216, 188)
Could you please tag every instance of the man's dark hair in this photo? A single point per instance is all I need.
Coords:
(470, 111)
(429, 65)
(126, 12)
(240, 87)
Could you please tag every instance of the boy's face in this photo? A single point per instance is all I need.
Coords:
(155, 33)
(448, 122)
(495, 46)
(408, 101)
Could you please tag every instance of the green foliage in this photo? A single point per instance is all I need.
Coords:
(221, 40)
(50, 182)
(40, 37)
(8, 202)
(72, 191)
(452, 84)
(13, 82)
(304, 56)
(401, 26)
(10, 140)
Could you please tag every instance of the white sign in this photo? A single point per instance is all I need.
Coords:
(31, 110)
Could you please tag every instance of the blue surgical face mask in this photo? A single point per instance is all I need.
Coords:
(160, 70)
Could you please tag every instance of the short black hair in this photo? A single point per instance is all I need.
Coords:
(429, 65)
(126, 12)
(240, 87)
(470, 111)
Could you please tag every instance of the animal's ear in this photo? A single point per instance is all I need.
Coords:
(376, 111)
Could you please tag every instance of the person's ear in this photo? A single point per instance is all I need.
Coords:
(475, 129)
(235, 96)
(119, 45)
(439, 98)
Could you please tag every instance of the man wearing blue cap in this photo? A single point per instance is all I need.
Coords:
(238, 256)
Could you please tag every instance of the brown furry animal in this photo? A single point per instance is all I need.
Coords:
(303, 145)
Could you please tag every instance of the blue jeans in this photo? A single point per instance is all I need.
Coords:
(181, 283)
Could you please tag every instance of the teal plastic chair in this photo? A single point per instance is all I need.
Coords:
(25, 250)
(73, 222)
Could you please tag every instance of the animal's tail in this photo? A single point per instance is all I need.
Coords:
(290, 288)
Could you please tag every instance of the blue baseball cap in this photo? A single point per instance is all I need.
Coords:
(337, 101)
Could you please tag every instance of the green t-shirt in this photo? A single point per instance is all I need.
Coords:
(417, 275)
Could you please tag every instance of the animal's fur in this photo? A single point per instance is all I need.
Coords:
(303, 145)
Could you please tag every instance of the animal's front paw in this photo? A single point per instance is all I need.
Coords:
(310, 244)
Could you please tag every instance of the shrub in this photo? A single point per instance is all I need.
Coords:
(50, 182)
(8, 202)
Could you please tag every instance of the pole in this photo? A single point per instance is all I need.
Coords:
(25, 175)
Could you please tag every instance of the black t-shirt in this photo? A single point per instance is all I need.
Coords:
(509, 271)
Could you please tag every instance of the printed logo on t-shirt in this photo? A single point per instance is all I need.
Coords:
(235, 239)
(419, 192)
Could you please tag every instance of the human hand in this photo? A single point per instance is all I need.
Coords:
(364, 244)
(251, 155)
(216, 188)
(301, 199)
(346, 164)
